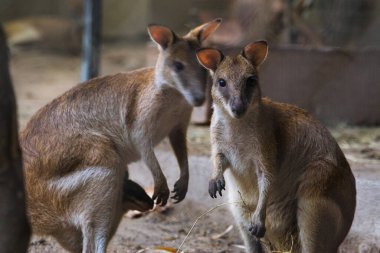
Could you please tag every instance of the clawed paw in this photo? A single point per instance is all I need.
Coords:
(180, 190)
(216, 185)
(161, 195)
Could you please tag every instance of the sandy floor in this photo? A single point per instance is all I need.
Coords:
(39, 76)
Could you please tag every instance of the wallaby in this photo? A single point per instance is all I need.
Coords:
(77, 148)
(294, 184)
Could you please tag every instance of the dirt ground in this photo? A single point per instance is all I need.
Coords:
(40, 76)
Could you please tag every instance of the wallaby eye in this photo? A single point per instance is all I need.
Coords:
(251, 81)
(178, 66)
(222, 82)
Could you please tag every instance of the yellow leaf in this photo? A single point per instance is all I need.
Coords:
(168, 249)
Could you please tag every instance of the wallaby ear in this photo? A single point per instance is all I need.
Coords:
(203, 31)
(209, 58)
(256, 52)
(161, 35)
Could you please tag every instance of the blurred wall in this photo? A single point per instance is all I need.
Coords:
(334, 85)
(14, 9)
(125, 18)
(122, 18)
(129, 18)
(345, 23)
(371, 35)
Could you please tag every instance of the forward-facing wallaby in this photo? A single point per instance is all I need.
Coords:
(77, 148)
(294, 184)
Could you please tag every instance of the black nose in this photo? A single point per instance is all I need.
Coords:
(238, 112)
(238, 108)
(198, 101)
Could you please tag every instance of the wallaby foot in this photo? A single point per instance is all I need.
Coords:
(135, 197)
(257, 229)
(252, 244)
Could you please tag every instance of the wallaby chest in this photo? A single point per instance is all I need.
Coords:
(171, 111)
(240, 145)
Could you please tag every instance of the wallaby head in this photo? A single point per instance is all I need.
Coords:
(235, 86)
(135, 197)
(177, 65)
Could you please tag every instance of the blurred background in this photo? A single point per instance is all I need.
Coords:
(339, 23)
(324, 56)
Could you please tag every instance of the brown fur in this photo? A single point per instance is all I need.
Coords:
(77, 147)
(294, 180)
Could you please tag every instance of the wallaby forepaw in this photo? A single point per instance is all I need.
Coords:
(257, 230)
(161, 195)
(216, 185)
(180, 190)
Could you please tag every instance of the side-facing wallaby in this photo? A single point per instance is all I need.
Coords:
(77, 148)
(294, 184)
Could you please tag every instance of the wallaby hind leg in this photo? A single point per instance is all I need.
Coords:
(320, 225)
(251, 243)
(95, 237)
(70, 239)
(96, 206)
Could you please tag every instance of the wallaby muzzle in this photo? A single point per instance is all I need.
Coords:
(238, 107)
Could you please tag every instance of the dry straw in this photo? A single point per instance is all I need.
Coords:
(245, 206)
(199, 217)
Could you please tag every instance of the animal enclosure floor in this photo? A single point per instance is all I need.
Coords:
(38, 77)
(165, 230)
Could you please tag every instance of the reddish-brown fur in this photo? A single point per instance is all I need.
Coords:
(297, 187)
(77, 148)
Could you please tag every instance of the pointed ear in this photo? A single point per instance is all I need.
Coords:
(161, 35)
(209, 58)
(256, 52)
(203, 31)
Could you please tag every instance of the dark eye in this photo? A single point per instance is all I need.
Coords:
(178, 66)
(251, 81)
(222, 82)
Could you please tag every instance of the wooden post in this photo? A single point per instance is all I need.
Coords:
(14, 226)
(91, 39)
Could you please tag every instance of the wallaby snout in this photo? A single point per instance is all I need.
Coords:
(198, 98)
(192, 82)
(198, 101)
(238, 107)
